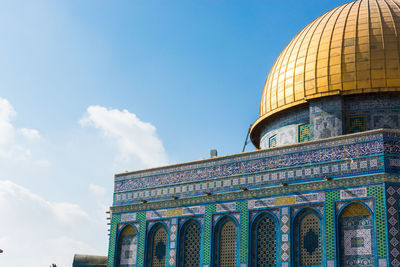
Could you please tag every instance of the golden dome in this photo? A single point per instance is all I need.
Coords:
(351, 49)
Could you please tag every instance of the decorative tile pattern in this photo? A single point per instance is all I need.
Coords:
(159, 248)
(265, 242)
(141, 217)
(272, 141)
(353, 193)
(285, 221)
(210, 209)
(259, 161)
(225, 246)
(304, 133)
(392, 211)
(307, 239)
(224, 207)
(173, 236)
(115, 219)
(244, 229)
(127, 247)
(191, 245)
(330, 233)
(379, 111)
(128, 217)
(326, 117)
(356, 123)
(356, 236)
(287, 200)
(262, 192)
(378, 192)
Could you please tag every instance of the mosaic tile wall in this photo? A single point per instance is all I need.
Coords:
(285, 128)
(326, 117)
(375, 112)
(244, 229)
(297, 116)
(285, 235)
(378, 193)
(304, 133)
(356, 237)
(128, 250)
(210, 209)
(115, 219)
(360, 113)
(393, 223)
(328, 204)
(344, 157)
(141, 217)
(284, 136)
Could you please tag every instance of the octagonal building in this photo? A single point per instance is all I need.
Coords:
(322, 187)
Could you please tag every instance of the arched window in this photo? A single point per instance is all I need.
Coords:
(307, 239)
(189, 244)
(225, 244)
(263, 244)
(127, 247)
(157, 246)
(356, 236)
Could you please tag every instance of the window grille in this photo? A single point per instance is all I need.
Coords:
(264, 242)
(225, 244)
(158, 247)
(191, 245)
(307, 239)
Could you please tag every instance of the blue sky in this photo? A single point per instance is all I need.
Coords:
(91, 88)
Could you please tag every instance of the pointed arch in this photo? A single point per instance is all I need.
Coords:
(127, 247)
(189, 244)
(307, 238)
(264, 240)
(225, 243)
(157, 246)
(356, 236)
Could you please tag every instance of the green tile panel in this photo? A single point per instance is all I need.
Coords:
(210, 209)
(141, 217)
(244, 229)
(330, 198)
(115, 219)
(378, 193)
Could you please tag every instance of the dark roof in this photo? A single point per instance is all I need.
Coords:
(89, 261)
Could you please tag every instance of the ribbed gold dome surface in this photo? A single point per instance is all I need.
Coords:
(351, 49)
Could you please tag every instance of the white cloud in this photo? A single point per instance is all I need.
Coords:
(7, 112)
(37, 232)
(97, 190)
(12, 146)
(30, 134)
(133, 137)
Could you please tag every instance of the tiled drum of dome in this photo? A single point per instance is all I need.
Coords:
(356, 124)
(266, 242)
(304, 133)
(272, 141)
(356, 237)
(191, 247)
